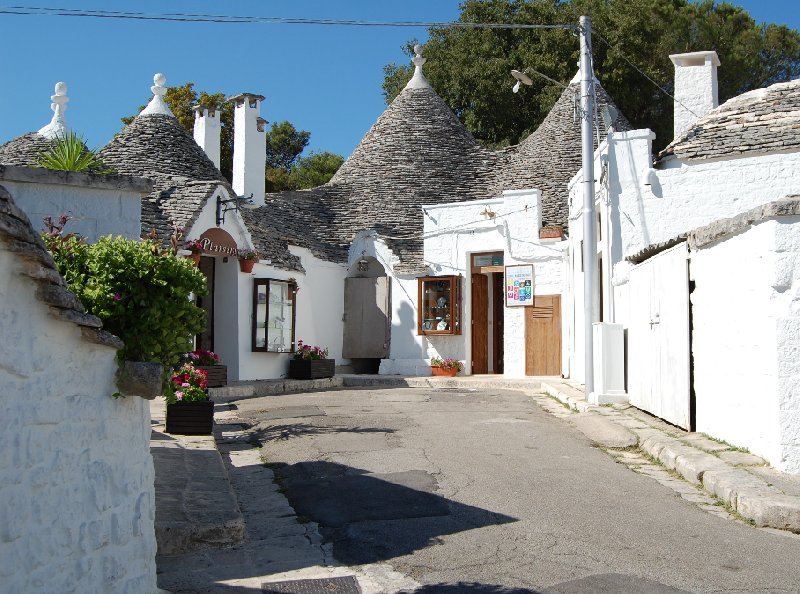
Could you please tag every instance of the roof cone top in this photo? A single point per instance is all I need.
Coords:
(157, 106)
(418, 81)
(58, 125)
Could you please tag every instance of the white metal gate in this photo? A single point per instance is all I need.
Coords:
(658, 336)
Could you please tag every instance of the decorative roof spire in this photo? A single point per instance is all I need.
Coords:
(58, 125)
(157, 106)
(418, 81)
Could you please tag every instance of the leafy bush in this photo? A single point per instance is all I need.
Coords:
(69, 153)
(138, 288)
(308, 352)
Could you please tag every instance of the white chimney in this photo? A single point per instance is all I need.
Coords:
(695, 87)
(207, 132)
(249, 147)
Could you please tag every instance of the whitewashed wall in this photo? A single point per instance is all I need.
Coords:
(452, 233)
(98, 205)
(742, 301)
(76, 476)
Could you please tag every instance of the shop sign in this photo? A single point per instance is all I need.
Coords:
(519, 285)
(217, 242)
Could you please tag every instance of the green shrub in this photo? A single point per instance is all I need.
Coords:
(138, 288)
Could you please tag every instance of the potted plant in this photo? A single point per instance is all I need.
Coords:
(189, 411)
(311, 362)
(196, 249)
(247, 259)
(208, 361)
(446, 367)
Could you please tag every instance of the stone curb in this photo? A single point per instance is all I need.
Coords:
(748, 495)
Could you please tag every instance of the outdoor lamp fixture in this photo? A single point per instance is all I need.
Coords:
(522, 78)
(234, 203)
(363, 263)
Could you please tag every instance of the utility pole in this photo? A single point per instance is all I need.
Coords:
(589, 225)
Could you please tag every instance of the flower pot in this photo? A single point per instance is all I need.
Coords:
(217, 375)
(311, 368)
(190, 418)
(551, 233)
(246, 265)
(194, 258)
(444, 372)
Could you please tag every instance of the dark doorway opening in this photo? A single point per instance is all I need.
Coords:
(205, 340)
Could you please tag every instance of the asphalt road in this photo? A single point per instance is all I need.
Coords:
(484, 492)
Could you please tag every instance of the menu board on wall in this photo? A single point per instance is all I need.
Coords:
(519, 285)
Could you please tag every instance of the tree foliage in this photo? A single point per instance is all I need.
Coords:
(314, 170)
(470, 68)
(138, 288)
(284, 144)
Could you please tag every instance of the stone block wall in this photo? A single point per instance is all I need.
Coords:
(76, 475)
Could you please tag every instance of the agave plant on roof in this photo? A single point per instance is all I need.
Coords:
(68, 152)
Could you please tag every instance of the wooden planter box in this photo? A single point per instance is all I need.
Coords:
(311, 368)
(190, 418)
(217, 375)
(444, 372)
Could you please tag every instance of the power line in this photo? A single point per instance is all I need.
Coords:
(640, 71)
(240, 19)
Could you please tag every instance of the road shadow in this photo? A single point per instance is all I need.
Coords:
(284, 431)
(375, 517)
(468, 588)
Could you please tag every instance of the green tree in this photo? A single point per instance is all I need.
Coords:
(469, 68)
(314, 170)
(284, 144)
(182, 99)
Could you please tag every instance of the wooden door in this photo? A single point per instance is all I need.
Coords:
(543, 336)
(367, 318)
(480, 324)
(658, 337)
(498, 311)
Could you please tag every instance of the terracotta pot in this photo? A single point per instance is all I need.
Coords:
(194, 258)
(551, 233)
(246, 265)
(444, 372)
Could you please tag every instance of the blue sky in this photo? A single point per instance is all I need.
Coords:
(323, 79)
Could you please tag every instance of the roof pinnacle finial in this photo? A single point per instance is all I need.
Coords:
(157, 106)
(418, 81)
(58, 125)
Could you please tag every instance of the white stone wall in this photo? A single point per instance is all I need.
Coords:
(76, 476)
(93, 211)
(746, 337)
(452, 233)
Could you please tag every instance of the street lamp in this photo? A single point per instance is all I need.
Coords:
(234, 203)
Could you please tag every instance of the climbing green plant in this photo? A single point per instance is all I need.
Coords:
(68, 152)
(138, 288)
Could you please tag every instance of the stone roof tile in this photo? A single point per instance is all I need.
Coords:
(761, 121)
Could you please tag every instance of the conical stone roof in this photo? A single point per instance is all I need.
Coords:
(157, 146)
(551, 155)
(416, 153)
(24, 150)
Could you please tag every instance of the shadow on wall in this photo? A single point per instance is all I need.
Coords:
(375, 517)
(404, 335)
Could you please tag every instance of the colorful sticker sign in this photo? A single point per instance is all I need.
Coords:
(519, 285)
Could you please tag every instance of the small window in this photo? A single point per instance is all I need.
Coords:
(273, 315)
(439, 305)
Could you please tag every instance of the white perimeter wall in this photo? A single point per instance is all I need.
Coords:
(94, 211)
(452, 233)
(746, 340)
(76, 476)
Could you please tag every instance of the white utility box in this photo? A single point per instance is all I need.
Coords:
(609, 364)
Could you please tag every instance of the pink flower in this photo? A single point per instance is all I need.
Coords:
(185, 385)
(117, 297)
(179, 395)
